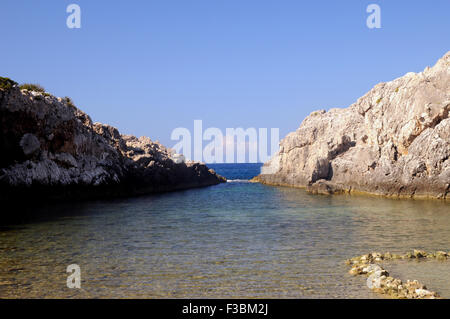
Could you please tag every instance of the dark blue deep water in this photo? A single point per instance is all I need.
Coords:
(237, 172)
(236, 239)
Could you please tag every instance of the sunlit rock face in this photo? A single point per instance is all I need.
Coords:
(393, 141)
(49, 148)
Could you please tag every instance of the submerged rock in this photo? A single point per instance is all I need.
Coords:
(394, 141)
(379, 280)
(51, 149)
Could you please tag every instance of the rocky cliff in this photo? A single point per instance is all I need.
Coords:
(51, 149)
(393, 141)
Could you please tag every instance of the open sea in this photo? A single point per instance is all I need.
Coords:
(234, 240)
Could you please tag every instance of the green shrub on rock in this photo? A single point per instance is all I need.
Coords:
(6, 83)
(32, 87)
(69, 102)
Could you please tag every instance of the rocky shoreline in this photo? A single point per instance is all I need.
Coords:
(52, 150)
(379, 280)
(394, 141)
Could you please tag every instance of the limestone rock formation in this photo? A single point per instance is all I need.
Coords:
(51, 149)
(379, 280)
(393, 141)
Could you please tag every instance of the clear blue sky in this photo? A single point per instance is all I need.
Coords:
(148, 67)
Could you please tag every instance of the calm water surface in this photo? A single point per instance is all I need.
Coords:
(237, 239)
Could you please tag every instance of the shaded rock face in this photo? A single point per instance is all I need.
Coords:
(49, 148)
(393, 141)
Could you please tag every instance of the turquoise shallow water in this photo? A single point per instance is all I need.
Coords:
(236, 239)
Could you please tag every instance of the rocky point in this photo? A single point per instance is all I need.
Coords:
(394, 141)
(51, 149)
